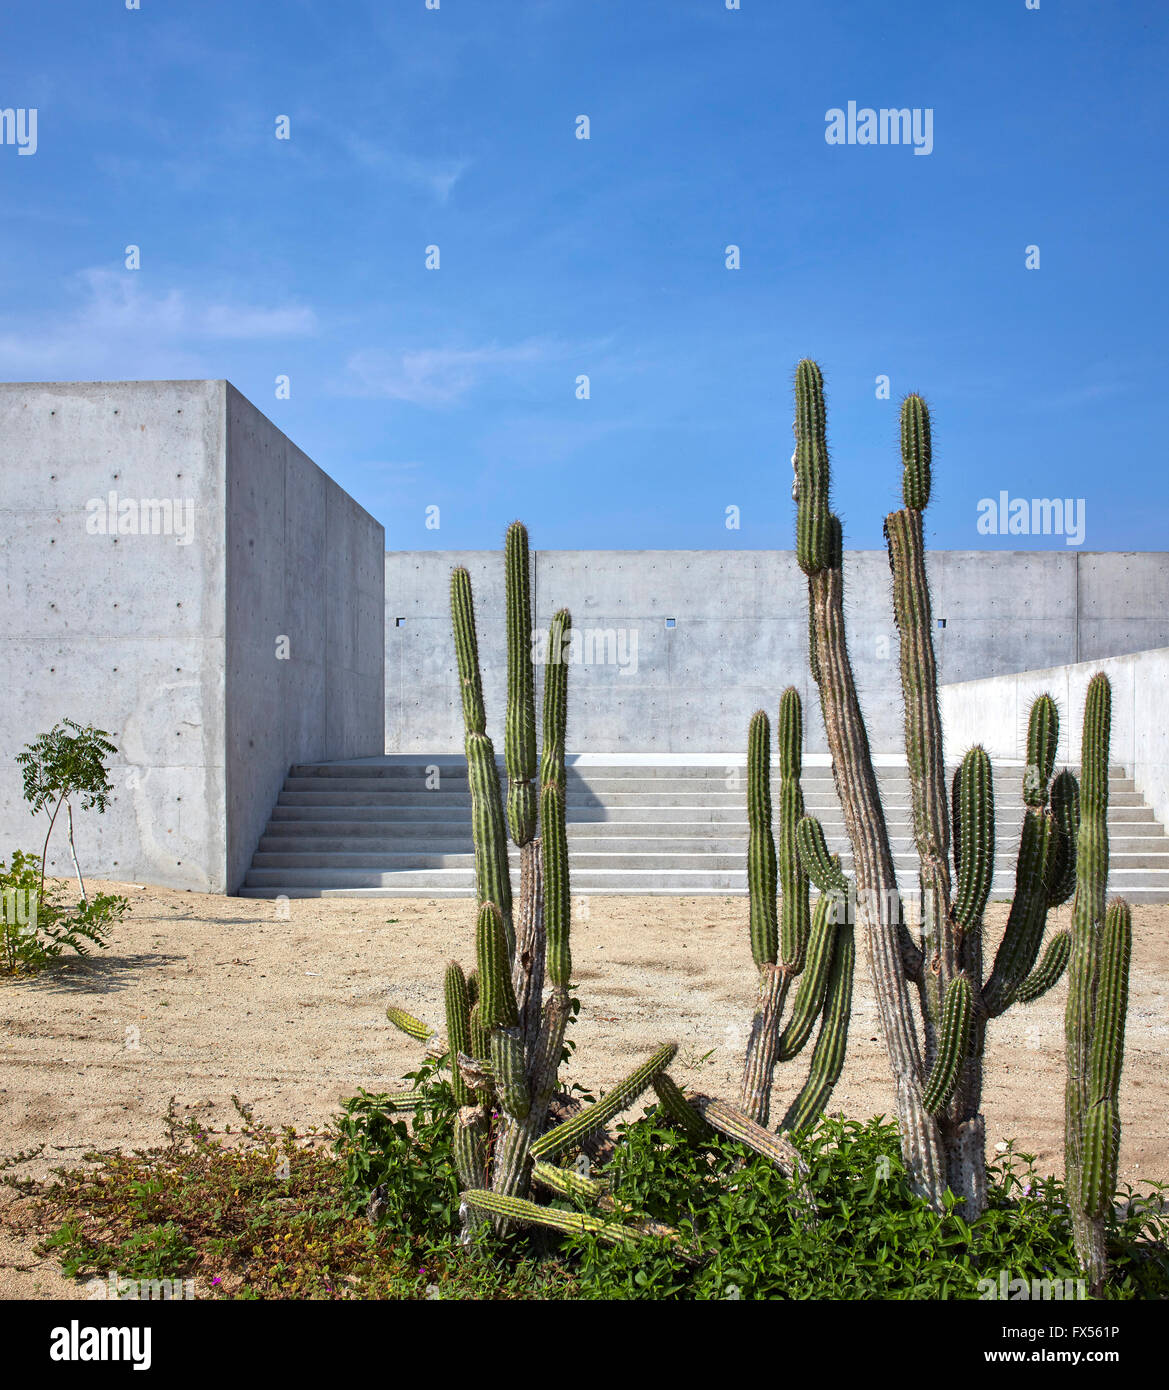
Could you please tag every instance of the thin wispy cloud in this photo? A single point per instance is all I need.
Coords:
(435, 376)
(118, 326)
(437, 176)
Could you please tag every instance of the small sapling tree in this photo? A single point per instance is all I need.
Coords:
(60, 766)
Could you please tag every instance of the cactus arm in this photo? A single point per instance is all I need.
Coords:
(519, 742)
(1042, 741)
(759, 1066)
(677, 1107)
(467, 651)
(499, 1204)
(1084, 1165)
(973, 837)
(555, 701)
(1065, 808)
(408, 1024)
(497, 1004)
(916, 453)
(1023, 936)
(913, 613)
(567, 1182)
(953, 1040)
(761, 864)
(1049, 970)
(557, 895)
(831, 1042)
(1101, 1143)
(776, 1148)
(814, 541)
(821, 867)
(795, 921)
(458, 1027)
(573, 1132)
(407, 1100)
(492, 877)
(813, 984)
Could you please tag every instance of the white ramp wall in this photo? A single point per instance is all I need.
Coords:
(994, 712)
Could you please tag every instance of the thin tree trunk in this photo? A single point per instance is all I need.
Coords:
(73, 852)
(45, 846)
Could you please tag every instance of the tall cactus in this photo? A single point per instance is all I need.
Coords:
(784, 945)
(504, 1039)
(936, 1043)
(1101, 948)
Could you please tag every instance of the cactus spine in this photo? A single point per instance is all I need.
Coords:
(1100, 952)
(935, 1042)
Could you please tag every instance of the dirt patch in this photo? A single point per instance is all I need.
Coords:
(202, 997)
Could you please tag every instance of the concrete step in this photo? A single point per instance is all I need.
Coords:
(438, 812)
(584, 862)
(442, 882)
(376, 827)
(1153, 847)
(302, 791)
(454, 765)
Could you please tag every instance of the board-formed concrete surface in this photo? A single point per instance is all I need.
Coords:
(676, 649)
(160, 539)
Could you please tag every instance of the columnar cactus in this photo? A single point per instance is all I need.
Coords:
(785, 946)
(935, 1045)
(1101, 948)
(505, 1040)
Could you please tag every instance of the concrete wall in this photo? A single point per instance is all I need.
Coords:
(168, 639)
(741, 635)
(304, 563)
(994, 712)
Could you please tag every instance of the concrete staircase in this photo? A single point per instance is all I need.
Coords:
(400, 826)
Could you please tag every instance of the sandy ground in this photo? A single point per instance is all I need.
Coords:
(202, 997)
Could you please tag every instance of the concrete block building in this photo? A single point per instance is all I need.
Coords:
(175, 570)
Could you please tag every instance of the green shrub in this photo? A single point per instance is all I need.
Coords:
(37, 925)
(406, 1159)
(873, 1238)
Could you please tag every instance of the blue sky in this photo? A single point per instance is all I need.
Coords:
(456, 387)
